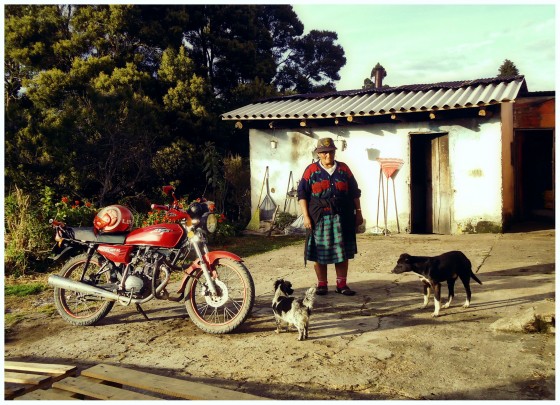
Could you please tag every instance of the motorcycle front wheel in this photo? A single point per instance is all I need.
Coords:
(78, 308)
(232, 306)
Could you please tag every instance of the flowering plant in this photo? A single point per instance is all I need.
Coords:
(75, 213)
(160, 217)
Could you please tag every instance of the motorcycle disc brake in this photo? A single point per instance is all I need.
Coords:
(219, 300)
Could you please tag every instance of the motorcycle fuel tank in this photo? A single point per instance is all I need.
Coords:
(116, 253)
(161, 235)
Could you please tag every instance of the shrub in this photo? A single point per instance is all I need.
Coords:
(28, 238)
(224, 230)
(283, 219)
(75, 213)
(160, 217)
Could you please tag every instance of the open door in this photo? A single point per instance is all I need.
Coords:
(430, 185)
(533, 153)
(441, 186)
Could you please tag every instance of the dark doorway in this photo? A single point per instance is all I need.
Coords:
(430, 184)
(534, 175)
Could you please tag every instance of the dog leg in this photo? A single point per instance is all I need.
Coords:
(468, 300)
(451, 289)
(278, 322)
(437, 299)
(466, 284)
(426, 294)
(301, 333)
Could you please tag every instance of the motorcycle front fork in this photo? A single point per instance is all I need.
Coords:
(201, 252)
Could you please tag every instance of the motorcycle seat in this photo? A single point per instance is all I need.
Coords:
(87, 234)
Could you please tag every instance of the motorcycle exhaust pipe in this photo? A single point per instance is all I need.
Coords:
(71, 285)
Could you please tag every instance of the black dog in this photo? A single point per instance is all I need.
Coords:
(434, 270)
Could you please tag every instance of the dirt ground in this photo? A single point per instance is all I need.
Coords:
(378, 344)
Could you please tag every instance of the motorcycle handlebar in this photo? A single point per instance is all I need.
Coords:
(160, 207)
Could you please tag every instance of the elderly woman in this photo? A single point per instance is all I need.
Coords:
(329, 198)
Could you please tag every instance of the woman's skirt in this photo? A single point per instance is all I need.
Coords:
(328, 244)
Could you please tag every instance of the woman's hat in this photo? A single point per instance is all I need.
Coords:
(325, 145)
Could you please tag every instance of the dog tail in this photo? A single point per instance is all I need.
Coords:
(309, 298)
(475, 278)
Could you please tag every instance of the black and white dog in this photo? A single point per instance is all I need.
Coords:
(291, 310)
(433, 270)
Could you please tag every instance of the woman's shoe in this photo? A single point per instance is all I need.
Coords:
(322, 290)
(345, 291)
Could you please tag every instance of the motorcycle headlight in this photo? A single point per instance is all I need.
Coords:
(211, 222)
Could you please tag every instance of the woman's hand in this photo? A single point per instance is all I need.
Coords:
(307, 221)
(359, 218)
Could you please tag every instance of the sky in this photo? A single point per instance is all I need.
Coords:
(429, 43)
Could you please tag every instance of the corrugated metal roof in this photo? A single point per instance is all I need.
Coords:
(370, 102)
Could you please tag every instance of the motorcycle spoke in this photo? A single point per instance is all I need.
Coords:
(216, 316)
(81, 306)
(231, 314)
(203, 309)
(237, 304)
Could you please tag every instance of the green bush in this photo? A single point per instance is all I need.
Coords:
(283, 219)
(224, 230)
(75, 213)
(29, 236)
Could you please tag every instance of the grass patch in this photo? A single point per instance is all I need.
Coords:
(249, 245)
(24, 290)
(11, 319)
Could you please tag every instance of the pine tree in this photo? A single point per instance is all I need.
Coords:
(99, 99)
(508, 68)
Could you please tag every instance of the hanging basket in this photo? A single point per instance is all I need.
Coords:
(390, 166)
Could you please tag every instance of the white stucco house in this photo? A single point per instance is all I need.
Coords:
(457, 146)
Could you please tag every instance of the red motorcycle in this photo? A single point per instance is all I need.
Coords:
(109, 263)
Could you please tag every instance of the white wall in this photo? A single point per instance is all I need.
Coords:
(475, 164)
(476, 175)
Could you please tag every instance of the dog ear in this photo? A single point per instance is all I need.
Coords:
(278, 283)
(403, 257)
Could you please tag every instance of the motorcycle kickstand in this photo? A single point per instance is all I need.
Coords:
(141, 311)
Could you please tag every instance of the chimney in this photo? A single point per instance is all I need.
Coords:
(378, 73)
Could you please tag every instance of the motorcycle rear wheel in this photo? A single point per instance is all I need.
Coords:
(227, 312)
(78, 308)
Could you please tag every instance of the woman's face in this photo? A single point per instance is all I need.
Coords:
(327, 158)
